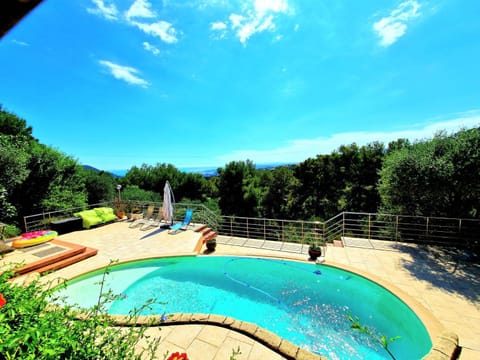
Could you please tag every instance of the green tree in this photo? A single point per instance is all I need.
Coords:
(133, 192)
(239, 189)
(15, 137)
(12, 125)
(465, 155)
(317, 191)
(192, 186)
(344, 180)
(153, 178)
(13, 171)
(278, 197)
(361, 174)
(397, 145)
(54, 181)
(435, 177)
(100, 186)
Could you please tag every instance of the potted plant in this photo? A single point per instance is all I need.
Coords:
(211, 244)
(119, 208)
(315, 251)
(134, 212)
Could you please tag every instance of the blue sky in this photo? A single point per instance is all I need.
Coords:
(199, 83)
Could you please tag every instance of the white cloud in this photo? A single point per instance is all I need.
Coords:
(106, 9)
(298, 150)
(140, 9)
(21, 43)
(236, 20)
(219, 25)
(254, 18)
(219, 30)
(162, 29)
(247, 26)
(149, 47)
(394, 26)
(263, 6)
(125, 73)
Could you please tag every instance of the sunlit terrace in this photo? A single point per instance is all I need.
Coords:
(442, 286)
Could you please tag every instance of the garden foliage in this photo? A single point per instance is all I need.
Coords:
(31, 328)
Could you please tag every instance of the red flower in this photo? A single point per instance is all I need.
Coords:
(2, 300)
(178, 356)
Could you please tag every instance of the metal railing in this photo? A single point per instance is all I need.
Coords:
(201, 214)
(370, 226)
(416, 229)
(463, 233)
(42, 220)
(293, 231)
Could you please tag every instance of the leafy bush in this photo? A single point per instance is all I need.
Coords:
(10, 231)
(31, 328)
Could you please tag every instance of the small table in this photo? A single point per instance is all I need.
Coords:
(67, 225)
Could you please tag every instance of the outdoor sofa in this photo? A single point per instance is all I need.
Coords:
(96, 216)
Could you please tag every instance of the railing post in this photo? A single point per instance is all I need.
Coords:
(460, 232)
(343, 224)
(248, 233)
(426, 229)
(303, 234)
(324, 235)
(396, 228)
(264, 229)
(369, 224)
(231, 226)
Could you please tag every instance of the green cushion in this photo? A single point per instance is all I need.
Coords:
(105, 213)
(89, 218)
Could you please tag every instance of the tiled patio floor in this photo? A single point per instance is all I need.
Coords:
(449, 289)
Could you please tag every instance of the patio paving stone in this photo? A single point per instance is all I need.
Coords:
(447, 288)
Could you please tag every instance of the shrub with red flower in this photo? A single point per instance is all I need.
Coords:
(178, 356)
(2, 300)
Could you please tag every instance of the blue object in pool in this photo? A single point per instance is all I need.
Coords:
(285, 297)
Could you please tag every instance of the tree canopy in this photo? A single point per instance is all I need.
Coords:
(436, 177)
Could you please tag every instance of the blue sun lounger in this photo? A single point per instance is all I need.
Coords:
(184, 224)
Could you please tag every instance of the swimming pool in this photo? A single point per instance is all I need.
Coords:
(304, 303)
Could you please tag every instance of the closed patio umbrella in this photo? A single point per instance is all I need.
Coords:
(168, 201)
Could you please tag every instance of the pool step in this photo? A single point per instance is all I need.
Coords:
(72, 255)
(209, 235)
(201, 228)
(88, 252)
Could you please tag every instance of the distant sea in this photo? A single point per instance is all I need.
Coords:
(205, 171)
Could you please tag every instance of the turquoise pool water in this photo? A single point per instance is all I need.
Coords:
(304, 303)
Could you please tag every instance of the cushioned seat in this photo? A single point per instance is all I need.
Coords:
(96, 216)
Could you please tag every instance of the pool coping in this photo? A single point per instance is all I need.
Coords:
(444, 342)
